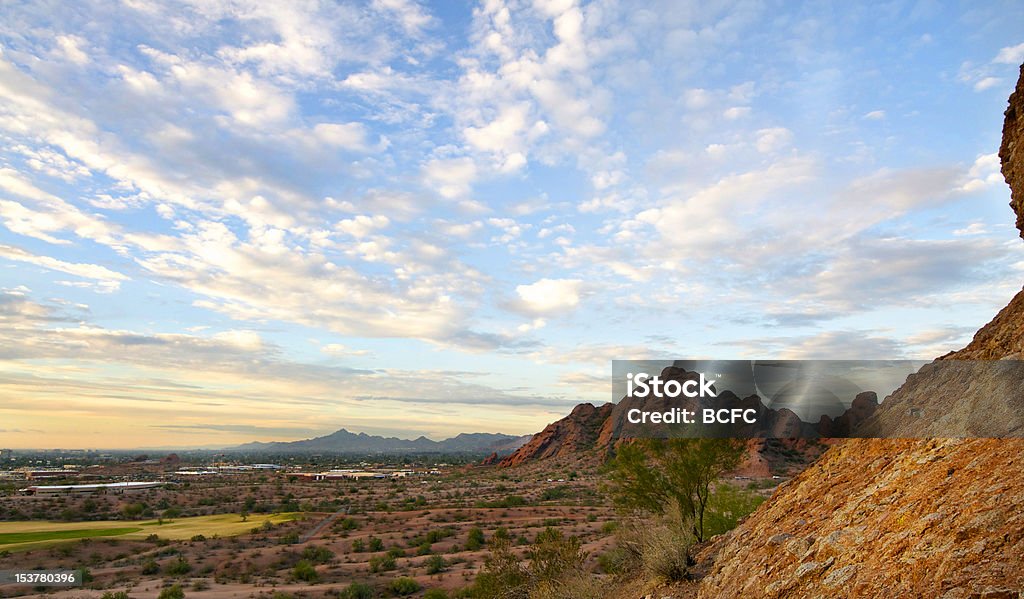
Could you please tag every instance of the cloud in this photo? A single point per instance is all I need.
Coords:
(875, 115)
(452, 178)
(339, 350)
(549, 296)
(88, 271)
(1012, 55)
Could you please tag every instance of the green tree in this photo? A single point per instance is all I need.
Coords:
(661, 475)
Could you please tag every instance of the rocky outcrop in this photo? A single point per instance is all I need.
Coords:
(898, 517)
(578, 432)
(884, 518)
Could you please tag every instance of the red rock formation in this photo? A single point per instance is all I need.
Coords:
(577, 432)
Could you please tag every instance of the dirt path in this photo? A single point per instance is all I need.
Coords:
(319, 528)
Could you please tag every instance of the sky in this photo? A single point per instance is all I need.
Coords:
(232, 220)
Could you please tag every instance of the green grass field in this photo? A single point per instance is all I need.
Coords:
(24, 535)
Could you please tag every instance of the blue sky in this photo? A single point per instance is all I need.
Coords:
(230, 220)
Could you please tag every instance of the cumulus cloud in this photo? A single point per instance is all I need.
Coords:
(549, 296)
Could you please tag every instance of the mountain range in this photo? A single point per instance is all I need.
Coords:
(345, 442)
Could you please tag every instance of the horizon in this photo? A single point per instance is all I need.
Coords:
(223, 222)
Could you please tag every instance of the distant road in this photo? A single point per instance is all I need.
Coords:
(319, 528)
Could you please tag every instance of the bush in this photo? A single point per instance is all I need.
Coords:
(178, 567)
(150, 567)
(115, 595)
(358, 546)
(579, 586)
(376, 544)
(356, 590)
(616, 561)
(290, 538)
(172, 592)
(435, 594)
(404, 586)
(305, 571)
(475, 540)
(317, 555)
(435, 564)
(382, 563)
(726, 506)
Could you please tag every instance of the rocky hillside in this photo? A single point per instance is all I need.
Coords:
(897, 518)
(576, 433)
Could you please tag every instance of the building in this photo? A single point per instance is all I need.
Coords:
(49, 473)
(117, 488)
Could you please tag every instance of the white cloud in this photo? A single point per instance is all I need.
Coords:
(773, 139)
(549, 296)
(362, 225)
(875, 115)
(452, 178)
(986, 83)
(736, 112)
(339, 350)
(1013, 55)
(88, 271)
(984, 173)
(350, 136)
(71, 47)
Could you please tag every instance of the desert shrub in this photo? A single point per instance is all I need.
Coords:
(348, 524)
(150, 567)
(435, 594)
(424, 548)
(382, 563)
(305, 571)
(198, 538)
(615, 561)
(358, 546)
(356, 590)
(659, 548)
(404, 586)
(317, 555)
(396, 552)
(435, 564)
(115, 595)
(503, 575)
(580, 586)
(375, 544)
(289, 539)
(178, 567)
(132, 510)
(172, 592)
(560, 492)
(475, 540)
(726, 506)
